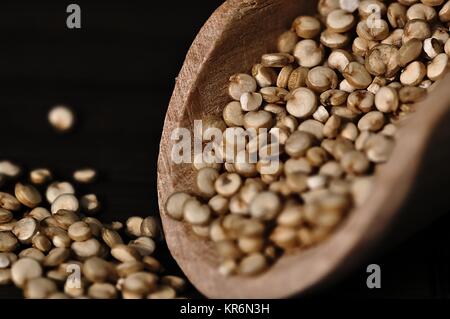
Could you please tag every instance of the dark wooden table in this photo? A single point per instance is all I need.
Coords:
(117, 72)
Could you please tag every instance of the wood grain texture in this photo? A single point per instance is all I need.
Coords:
(414, 179)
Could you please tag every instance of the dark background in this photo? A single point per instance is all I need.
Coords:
(118, 72)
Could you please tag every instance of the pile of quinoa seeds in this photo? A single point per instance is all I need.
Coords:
(336, 90)
(52, 246)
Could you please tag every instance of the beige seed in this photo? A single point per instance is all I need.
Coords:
(219, 204)
(444, 13)
(287, 41)
(361, 101)
(409, 51)
(302, 103)
(58, 188)
(41, 242)
(5, 277)
(432, 47)
(283, 76)
(437, 67)
(395, 38)
(65, 201)
(111, 237)
(313, 127)
(321, 78)
(265, 206)
(177, 283)
(334, 40)
(5, 216)
(205, 181)
(28, 195)
(340, 21)
(175, 203)
(306, 27)
(331, 127)
(349, 131)
(9, 202)
(297, 78)
(32, 253)
(85, 175)
(240, 84)
(252, 264)
(298, 143)
(382, 60)
(90, 203)
(233, 115)
(133, 226)
(65, 218)
(79, 231)
(8, 242)
(357, 75)
(308, 53)
(150, 227)
(140, 283)
(372, 121)
(333, 97)
(339, 59)
(40, 176)
(56, 257)
(413, 74)
(264, 76)
(361, 46)
(421, 11)
(396, 14)
(276, 60)
(39, 213)
(9, 169)
(25, 269)
(196, 213)
(61, 118)
(102, 291)
(251, 101)
(386, 100)
(25, 229)
(163, 292)
(258, 119)
(284, 237)
(86, 249)
(355, 162)
(416, 29)
(227, 184)
(144, 245)
(128, 268)
(379, 148)
(39, 288)
(367, 8)
(374, 31)
(321, 114)
(98, 270)
(411, 94)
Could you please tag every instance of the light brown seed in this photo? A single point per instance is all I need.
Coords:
(56, 257)
(5, 216)
(264, 76)
(321, 78)
(386, 100)
(102, 291)
(340, 21)
(196, 213)
(372, 121)
(25, 269)
(144, 245)
(79, 231)
(40, 176)
(302, 103)
(65, 218)
(205, 181)
(175, 203)
(98, 270)
(334, 40)
(25, 229)
(413, 74)
(240, 84)
(150, 227)
(409, 52)
(41, 242)
(287, 41)
(39, 288)
(86, 249)
(133, 226)
(266, 205)
(357, 75)
(61, 118)
(297, 78)
(65, 201)
(308, 53)
(111, 237)
(9, 169)
(85, 175)
(39, 213)
(416, 29)
(276, 60)
(8, 242)
(252, 264)
(306, 27)
(9, 202)
(437, 67)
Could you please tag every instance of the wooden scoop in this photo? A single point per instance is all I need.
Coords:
(410, 190)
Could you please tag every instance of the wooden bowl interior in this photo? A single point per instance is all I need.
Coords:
(231, 42)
